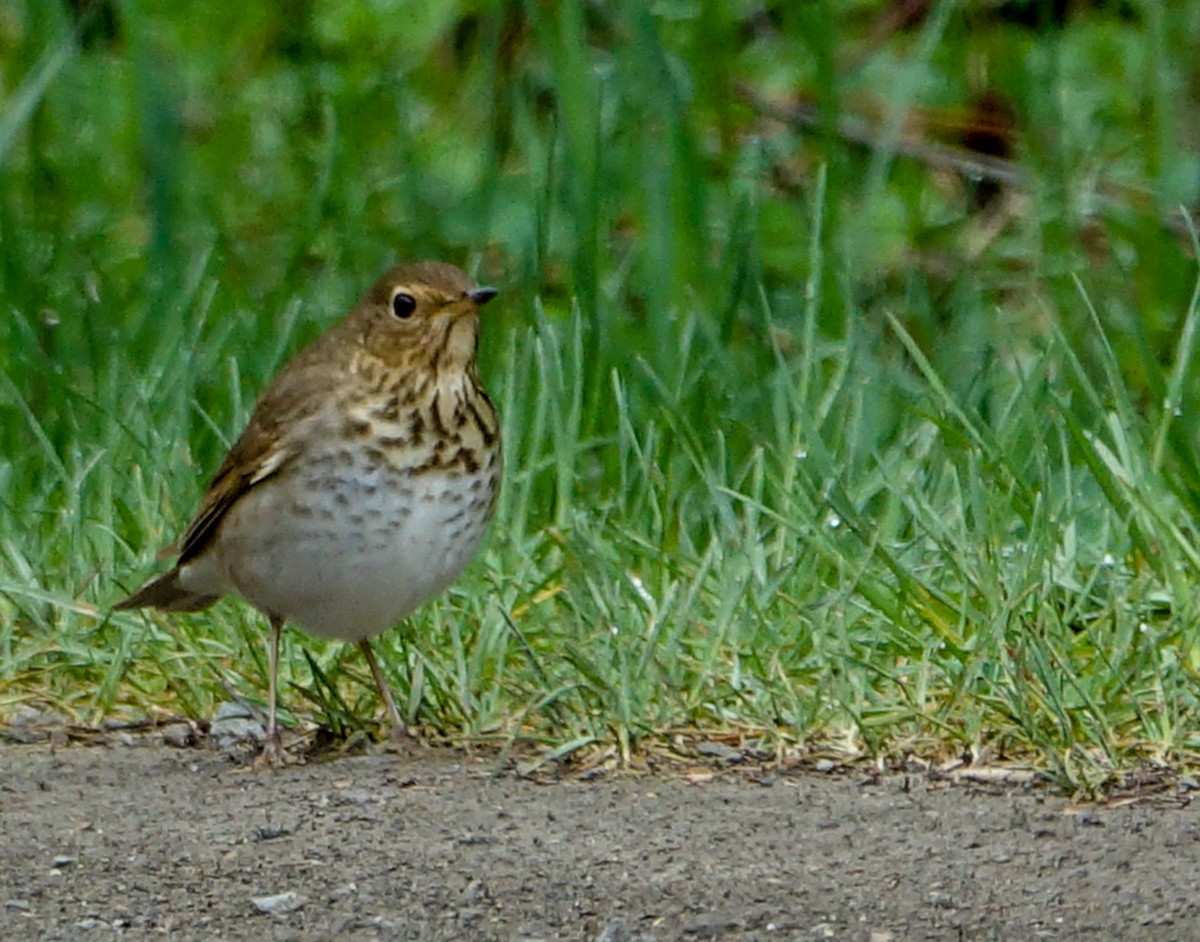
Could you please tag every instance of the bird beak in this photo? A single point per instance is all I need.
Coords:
(481, 296)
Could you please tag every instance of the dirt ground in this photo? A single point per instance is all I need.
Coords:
(141, 840)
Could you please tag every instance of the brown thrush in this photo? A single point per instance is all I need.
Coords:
(364, 481)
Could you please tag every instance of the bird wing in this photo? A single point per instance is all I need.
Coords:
(266, 447)
(252, 460)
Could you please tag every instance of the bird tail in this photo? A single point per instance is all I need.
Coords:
(167, 593)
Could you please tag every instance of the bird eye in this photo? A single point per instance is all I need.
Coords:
(403, 305)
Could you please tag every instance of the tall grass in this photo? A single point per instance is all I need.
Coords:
(797, 445)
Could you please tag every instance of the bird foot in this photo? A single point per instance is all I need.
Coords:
(401, 740)
(273, 755)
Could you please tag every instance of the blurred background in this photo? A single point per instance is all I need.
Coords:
(844, 355)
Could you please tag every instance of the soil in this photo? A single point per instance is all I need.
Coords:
(145, 841)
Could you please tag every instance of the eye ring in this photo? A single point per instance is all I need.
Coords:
(403, 305)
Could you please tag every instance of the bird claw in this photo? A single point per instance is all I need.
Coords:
(400, 740)
(273, 755)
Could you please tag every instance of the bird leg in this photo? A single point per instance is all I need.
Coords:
(272, 748)
(399, 730)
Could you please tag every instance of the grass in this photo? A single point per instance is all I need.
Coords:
(803, 441)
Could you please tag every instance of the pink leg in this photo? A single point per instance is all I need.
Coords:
(399, 730)
(272, 748)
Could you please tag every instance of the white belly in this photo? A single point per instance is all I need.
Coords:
(352, 567)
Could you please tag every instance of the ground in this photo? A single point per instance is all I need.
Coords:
(141, 840)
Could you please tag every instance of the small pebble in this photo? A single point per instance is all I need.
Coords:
(278, 904)
(232, 710)
(112, 724)
(22, 736)
(615, 931)
(718, 750)
(234, 723)
(31, 716)
(178, 735)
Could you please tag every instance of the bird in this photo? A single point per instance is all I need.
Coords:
(362, 484)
